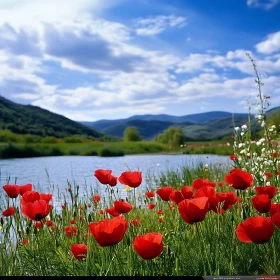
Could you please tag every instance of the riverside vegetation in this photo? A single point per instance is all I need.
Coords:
(209, 220)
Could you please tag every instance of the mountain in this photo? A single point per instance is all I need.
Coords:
(25, 119)
(203, 126)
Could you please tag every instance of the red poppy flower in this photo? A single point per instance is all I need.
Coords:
(159, 211)
(164, 192)
(267, 174)
(274, 208)
(96, 198)
(72, 221)
(132, 179)
(49, 223)
(25, 241)
(160, 219)
(101, 212)
(38, 224)
(136, 222)
(276, 219)
(29, 196)
(228, 198)
(11, 190)
(239, 179)
(148, 246)
(150, 194)
(194, 210)
(122, 206)
(36, 210)
(63, 207)
(209, 192)
(176, 196)
(105, 177)
(255, 229)
(199, 183)
(70, 231)
(151, 206)
(79, 251)
(261, 203)
(25, 188)
(233, 157)
(46, 196)
(220, 184)
(187, 191)
(109, 232)
(112, 211)
(9, 212)
(269, 190)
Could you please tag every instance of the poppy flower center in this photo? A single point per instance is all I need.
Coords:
(39, 216)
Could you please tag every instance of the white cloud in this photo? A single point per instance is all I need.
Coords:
(270, 45)
(155, 25)
(264, 4)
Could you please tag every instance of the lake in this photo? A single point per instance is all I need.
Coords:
(51, 173)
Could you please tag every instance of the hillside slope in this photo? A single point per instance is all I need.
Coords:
(25, 119)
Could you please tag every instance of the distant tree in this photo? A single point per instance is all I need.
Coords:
(131, 133)
(172, 136)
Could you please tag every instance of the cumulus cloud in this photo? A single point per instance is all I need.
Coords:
(155, 25)
(270, 45)
(87, 49)
(19, 42)
(264, 4)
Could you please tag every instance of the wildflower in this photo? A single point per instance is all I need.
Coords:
(258, 230)
(199, 183)
(131, 178)
(112, 211)
(233, 157)
(11, 190)
(148, 246)
(25, 188)
(9, 212)
(136, 222)
(187, 191)
(38, 225)
(101, 212)
(122, 206)
(79, 251)
(46, 196)
(49, 223)
(274, 208)
(70, 230)
(164, 192)
(239, 179)
(72, 221)
(150, 194)
(36, 210)
(151, 206)
(209, 192)
(194, 210)
(109, 232)
(276, 219)
(25, 241)
(29, 196)
(176, 196)
(269, 190)
(127, 188)
(160, 211)
(105, 177)
(96, 198)
(261, 203)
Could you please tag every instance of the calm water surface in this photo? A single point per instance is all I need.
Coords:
(51, 173)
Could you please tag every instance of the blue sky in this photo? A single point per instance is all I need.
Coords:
(110, 59)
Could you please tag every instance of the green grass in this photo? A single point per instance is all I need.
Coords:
(100, 148)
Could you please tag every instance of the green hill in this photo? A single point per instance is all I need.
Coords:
(25, 119)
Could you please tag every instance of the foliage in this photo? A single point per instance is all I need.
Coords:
(25, 119)
(172, 136)
(131, 133)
